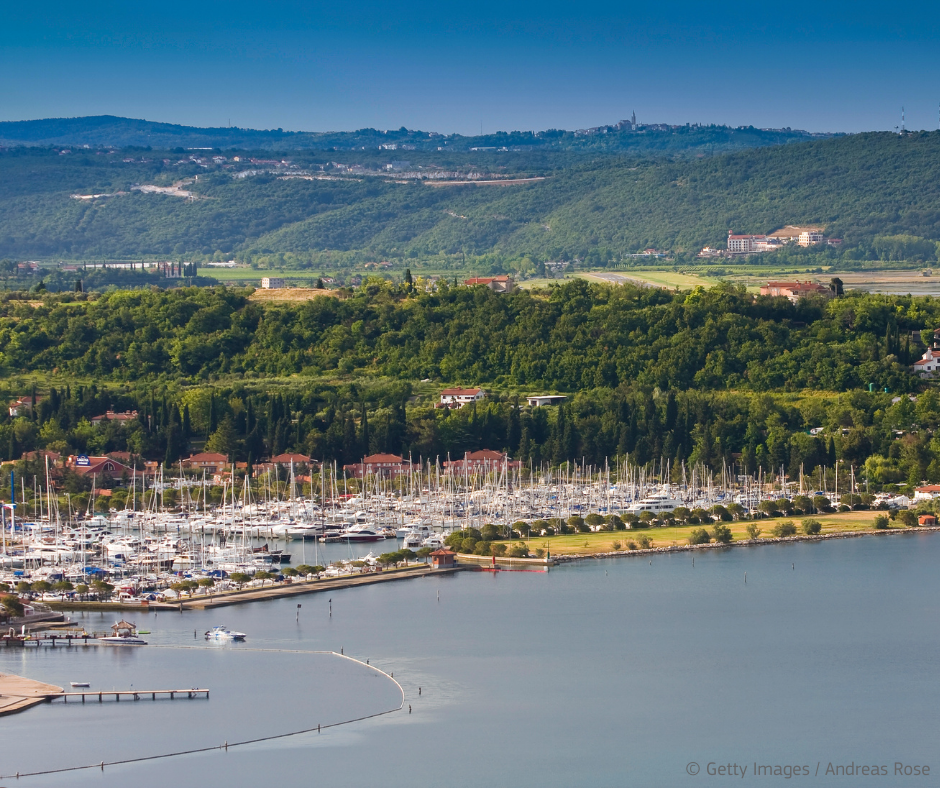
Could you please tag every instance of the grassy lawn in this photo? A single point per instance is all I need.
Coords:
(602, 542)
(238, 274)
(674, 279)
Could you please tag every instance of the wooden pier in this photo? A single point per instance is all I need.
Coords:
(101, 695)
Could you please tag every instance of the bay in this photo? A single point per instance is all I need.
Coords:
(599, 673)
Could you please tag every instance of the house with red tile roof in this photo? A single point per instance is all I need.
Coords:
(387, 465)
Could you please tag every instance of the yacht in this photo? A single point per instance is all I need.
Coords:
(656, 503)
(434, 541)
(124, 633)
(413, 541)
(356, 533)
(224, 633)
(415, 527)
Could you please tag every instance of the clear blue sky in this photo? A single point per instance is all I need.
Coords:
(823, 66)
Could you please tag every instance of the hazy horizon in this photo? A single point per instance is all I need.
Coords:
(297, 66)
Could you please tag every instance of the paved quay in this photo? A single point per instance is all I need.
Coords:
(18, 693)
(309, 587)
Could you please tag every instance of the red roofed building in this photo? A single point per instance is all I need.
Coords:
(299, 460)
(22, 406)
(99, 466)
(929, 365)
(483, 460)
(457, 398)
(389, 466)
(498, 284)
(208, 461)
(121, 418)
(443, 559)
(794, 290)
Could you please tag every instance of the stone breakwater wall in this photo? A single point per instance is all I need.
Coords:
(568, 558)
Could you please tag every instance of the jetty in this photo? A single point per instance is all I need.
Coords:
(101, 695)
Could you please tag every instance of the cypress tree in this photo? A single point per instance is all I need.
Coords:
(364, 429)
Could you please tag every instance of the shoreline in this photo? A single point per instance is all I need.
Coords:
(259, 594)
(572, 557)
(469, 563)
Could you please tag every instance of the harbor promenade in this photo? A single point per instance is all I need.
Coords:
(274, 591)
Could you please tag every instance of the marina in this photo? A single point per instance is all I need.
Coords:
(275, 528)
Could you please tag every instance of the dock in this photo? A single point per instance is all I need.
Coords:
(101, 695)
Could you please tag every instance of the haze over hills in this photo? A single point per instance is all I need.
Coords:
(320, 207)
(625, 136)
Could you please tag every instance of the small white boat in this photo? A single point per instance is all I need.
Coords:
(224, 633)
(124, 634)
(80, 684)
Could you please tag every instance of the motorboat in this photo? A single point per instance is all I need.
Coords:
(656, 503)
(411, 528)
(224, 633)
(80, 684)
(124, 633)
(434, 541)
(413, 541)
(356, 533)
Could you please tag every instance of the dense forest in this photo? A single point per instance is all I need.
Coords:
(575, 336)
(705, 377)
(880, 193)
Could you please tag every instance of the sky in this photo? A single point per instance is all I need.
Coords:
(459, 67)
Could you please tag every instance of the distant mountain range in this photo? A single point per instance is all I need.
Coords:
(625, 136)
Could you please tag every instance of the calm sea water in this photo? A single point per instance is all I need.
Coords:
(604, 673)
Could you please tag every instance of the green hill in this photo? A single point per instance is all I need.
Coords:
(108, 130)
(864, 188)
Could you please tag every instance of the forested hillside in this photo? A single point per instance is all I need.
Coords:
(593, 207)
(578, 336)
(107, 130)
(705, 377)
